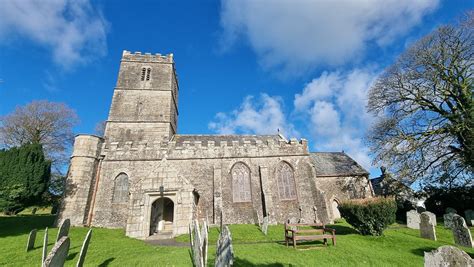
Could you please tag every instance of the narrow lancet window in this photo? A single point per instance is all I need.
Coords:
(120, 189)
(148, 74)
(286, 182)
(143, 74)
(241, 183)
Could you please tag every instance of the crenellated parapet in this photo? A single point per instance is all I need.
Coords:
(146, 57)
(200, 150)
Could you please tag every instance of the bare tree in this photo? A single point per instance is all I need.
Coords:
(424, 109)
(44, 122)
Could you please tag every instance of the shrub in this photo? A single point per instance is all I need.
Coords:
(369, 216)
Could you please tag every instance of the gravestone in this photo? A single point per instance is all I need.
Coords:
(34, 210)
(433, 217)
(448, 220)
(450, 210)
(469, 214)
(57, 256)
(224, 250)
(45, 245)
(413, 219)
(264, 226)
(448, 256)
(461, 233)
(196, 248)
(204, 242)
(427, 227)
(63, 229)
(31, 240)
(85, 246)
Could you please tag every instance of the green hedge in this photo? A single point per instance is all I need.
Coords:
(369, 216)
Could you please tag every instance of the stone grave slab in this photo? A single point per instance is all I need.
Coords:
(413, 219)
(469, 214)
(448, 256)
(461, 233)
(57, 256)
(224, 249)
(448, 220)
(427, 227)
(85, 246)
(45, 245)
(63, 229)
(31, 240)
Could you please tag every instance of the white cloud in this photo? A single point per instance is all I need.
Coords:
(335, 104)
(73, 30)
(297, 35)
(254, 116)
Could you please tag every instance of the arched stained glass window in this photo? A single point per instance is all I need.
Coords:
(120, 189)
(286, 181)
(241, 183)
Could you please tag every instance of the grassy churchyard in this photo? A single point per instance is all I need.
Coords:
(399, 246)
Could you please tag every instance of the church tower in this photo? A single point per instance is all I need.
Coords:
(145, 101)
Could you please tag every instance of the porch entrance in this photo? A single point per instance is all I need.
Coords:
(162, 215)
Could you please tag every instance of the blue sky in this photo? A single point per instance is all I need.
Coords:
(303, 67)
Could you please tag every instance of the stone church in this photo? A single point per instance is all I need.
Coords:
(146, 178)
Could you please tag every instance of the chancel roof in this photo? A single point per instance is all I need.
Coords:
(228, 139)
(335, 164)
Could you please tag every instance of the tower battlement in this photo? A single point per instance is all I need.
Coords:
(146, 57)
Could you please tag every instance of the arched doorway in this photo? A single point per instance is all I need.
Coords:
(335, 210)
(162, 215)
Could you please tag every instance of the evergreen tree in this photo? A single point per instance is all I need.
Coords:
(24, 176)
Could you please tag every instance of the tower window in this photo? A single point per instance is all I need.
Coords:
(143, 74)
(148, 73)
(120, 189)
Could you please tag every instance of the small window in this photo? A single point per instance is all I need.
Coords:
(286, 182)
(120, 189)
(241, 183)
(148, 73)
(143, 74)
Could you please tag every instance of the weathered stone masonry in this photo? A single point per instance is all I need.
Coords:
(144, 177)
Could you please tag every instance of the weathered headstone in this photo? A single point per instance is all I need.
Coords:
(57, 256)
(204, 243)
(448, 256)
(197, 246)
(63, 229)
(45, 245)
(450, 210)
(427, 227)
(85, 246)
(469, 214)
(264, 226)
(461, 233)
(432, 217)
(413, 219)
(31, 240)
(448, 220)
(224, 250)
(34, 210)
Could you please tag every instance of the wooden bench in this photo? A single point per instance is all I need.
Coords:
(293, 233)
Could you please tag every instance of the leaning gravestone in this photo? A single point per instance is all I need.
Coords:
(224, 250)
(413, 219)
(197, 246)
(31, 240)
(461, 233)
(427, 227)
(469, 217)
(85, 246)
(204, 243)
(432, 217)
(448, 256)
(57, 256)
(264, 226)
(448, 220)
(63, 229)
(45, 245)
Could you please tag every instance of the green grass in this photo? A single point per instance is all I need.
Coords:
(399, 246)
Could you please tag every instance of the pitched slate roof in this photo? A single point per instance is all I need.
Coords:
(218, 139)
(335, 164)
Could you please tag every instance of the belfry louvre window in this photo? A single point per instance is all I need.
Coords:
(241, 183)
(148, 74)
(286, 181)
(143, 74)
(120, 189)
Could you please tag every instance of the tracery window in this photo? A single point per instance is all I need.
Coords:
(286, 182)
(241, 183)
(120, 189)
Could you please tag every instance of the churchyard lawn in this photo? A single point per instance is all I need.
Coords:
(399, 246)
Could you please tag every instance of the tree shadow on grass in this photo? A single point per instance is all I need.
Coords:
(421, 251)
(342, 230)
(106, 262)
(71, 256)
(23, 224)
(242, 262)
